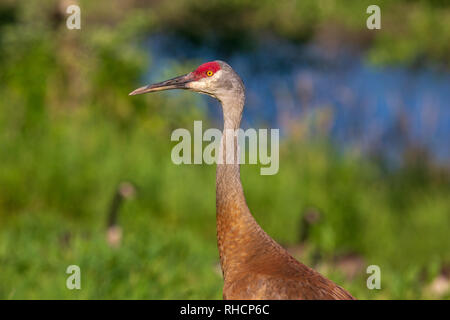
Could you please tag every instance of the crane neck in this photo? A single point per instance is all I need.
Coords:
(237, 230)
(228, 164)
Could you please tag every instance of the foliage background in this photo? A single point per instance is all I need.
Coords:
(69, 134)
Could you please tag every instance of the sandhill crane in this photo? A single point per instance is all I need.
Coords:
(253, 265)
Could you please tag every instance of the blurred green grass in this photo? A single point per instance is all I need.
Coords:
(70, 134)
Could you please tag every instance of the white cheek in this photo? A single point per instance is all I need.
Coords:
(198, 85)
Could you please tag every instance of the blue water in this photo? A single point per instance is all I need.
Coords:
(373, 109)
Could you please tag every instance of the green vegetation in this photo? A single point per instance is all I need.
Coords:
(69, 134)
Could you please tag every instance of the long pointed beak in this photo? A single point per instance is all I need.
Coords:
(175, 83)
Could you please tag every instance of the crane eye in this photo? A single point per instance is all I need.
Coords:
(209, 73)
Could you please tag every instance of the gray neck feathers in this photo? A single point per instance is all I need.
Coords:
(228, 181)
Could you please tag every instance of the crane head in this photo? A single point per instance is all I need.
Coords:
(215, 78)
